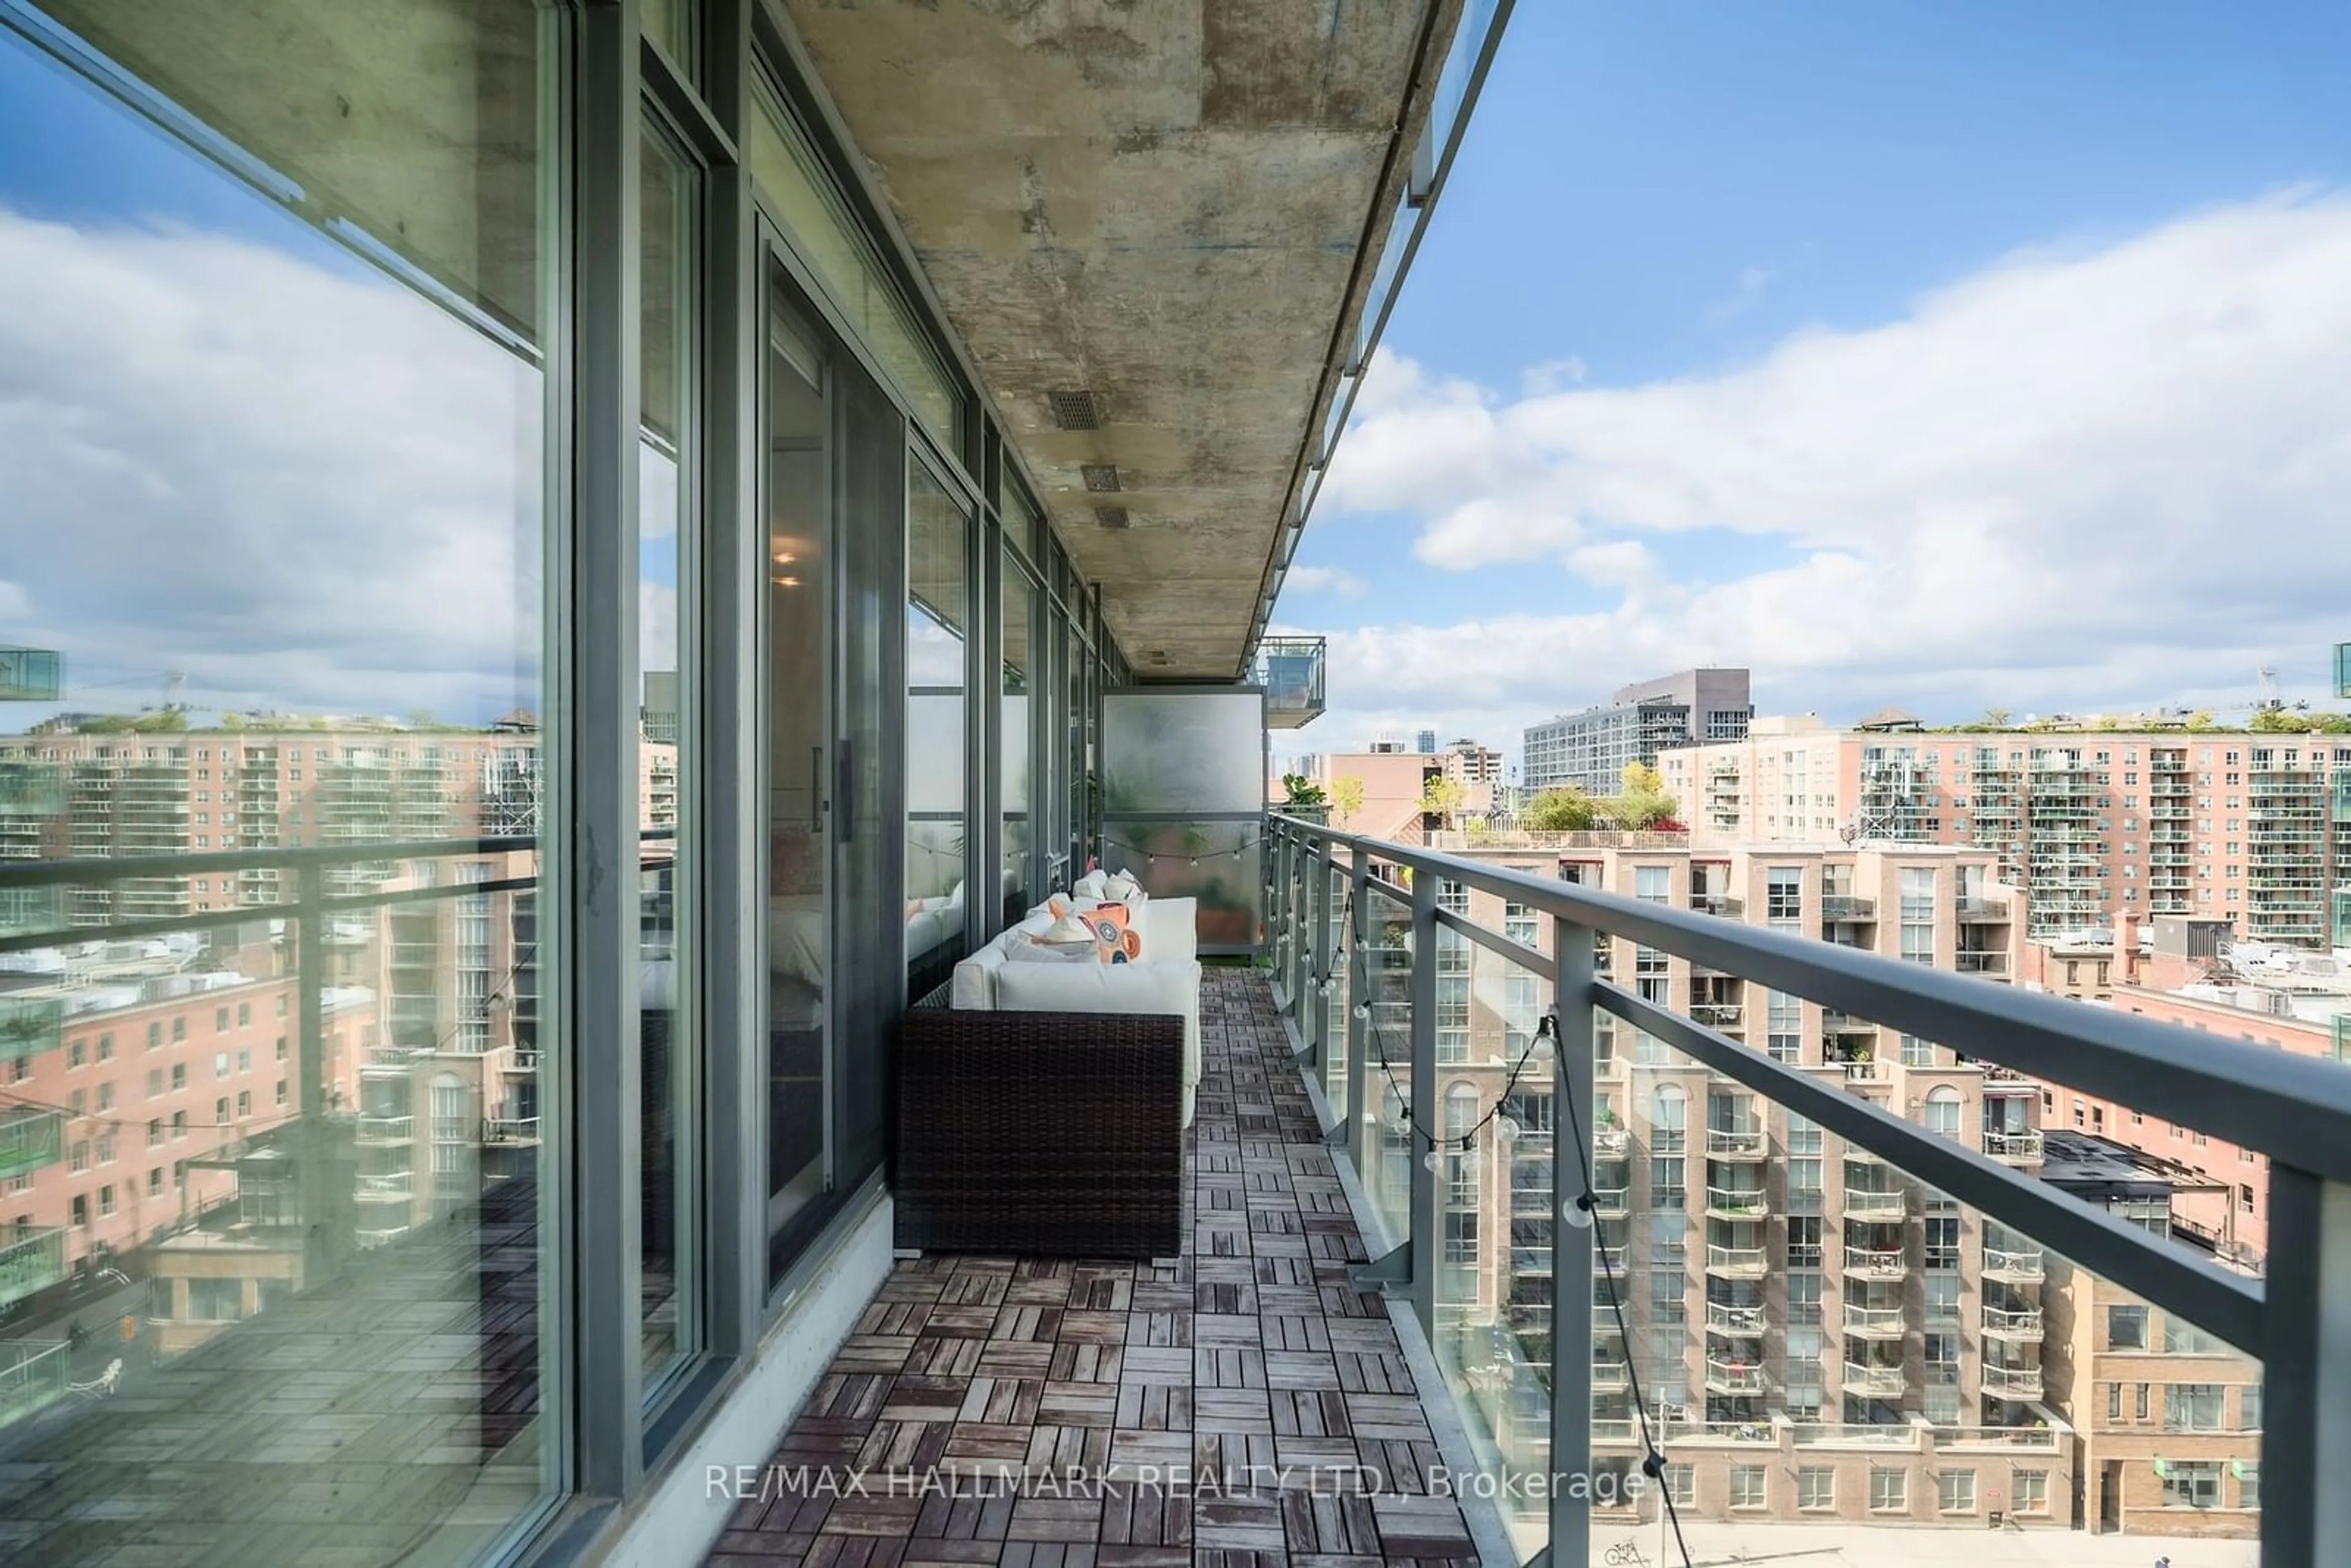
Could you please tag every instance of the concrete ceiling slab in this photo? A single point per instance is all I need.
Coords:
(1161, 203)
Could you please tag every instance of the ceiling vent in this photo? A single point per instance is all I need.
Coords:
(1158, 655)
(1075, 408)
(1112, 517)
(1101, 477)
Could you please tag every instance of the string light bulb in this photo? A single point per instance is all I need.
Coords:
(1576, 1212)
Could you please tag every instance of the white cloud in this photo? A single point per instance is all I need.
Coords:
(2079, 477)
(1323, 579)
(304, 486)
(1550, 376)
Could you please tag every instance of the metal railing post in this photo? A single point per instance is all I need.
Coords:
(1363, 995)
(2306, 1369)
(1572, 1244)
(1283, 939)
(1424, 1239)
(1318, 1006)
(1275, 847)
(310, 1074)
(1301, 930)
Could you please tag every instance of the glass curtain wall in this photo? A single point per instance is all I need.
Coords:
(280, 497)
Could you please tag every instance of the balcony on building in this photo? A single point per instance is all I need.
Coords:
(2011, 1266)
(1875, 1322)
(1290, 669)
(1875, 1262)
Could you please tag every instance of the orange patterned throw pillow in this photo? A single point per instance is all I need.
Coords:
(1116, 941)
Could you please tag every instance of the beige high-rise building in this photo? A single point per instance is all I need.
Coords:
(2251, 828)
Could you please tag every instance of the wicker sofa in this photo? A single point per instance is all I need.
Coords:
(1043, 1112)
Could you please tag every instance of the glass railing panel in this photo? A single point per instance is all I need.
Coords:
(1495, 1284)
(1823, 1341)
(1338, 1007)
(1387, 1066)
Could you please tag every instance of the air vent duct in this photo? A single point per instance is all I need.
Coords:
(1075, 408)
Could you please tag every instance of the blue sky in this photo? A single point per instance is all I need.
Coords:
(1713, 209)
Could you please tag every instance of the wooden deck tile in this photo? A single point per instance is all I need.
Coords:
(1243, 1407)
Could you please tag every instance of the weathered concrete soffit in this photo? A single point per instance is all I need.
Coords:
(1153, 224)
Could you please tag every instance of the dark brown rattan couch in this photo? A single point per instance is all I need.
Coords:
(1051, 1134)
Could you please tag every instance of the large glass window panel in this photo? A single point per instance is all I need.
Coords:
(938, 616)
(1019, 678)
(277, 495)
(668, 521)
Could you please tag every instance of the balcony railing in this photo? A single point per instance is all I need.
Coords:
(1290, 670)
(2295, 1110)
(1736, 1203)
(2023, 1146)
(1846, 907)
(1740, 1143)
(1723, 1318)
(1874, 1263)
(2015, 1268)
(1873, 1381)
(510, 1130)
(1875, 1322)
(394, 1185)
(1732, 1376)
(2011, 1381)
(1738, 1263)
(1982, 963)
(2012, 1323)
(1867, 1203)
(373, 1130)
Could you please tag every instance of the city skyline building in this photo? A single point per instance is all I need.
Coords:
(1590, 750)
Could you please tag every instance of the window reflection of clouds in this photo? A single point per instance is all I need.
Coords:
(216, 453)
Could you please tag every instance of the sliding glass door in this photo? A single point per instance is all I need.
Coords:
(835, 500)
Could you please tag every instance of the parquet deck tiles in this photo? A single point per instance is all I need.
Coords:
(1245, 1408)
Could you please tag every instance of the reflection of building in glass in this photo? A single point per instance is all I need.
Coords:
(31, 674)
(659, 713)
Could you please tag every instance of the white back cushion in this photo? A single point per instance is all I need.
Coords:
(1097, 988)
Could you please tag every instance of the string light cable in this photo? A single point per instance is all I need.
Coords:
(1581, 1213)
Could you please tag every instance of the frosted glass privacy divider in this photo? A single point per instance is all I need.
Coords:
(1201, 752)
(1183, 791)
(1215, 861)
